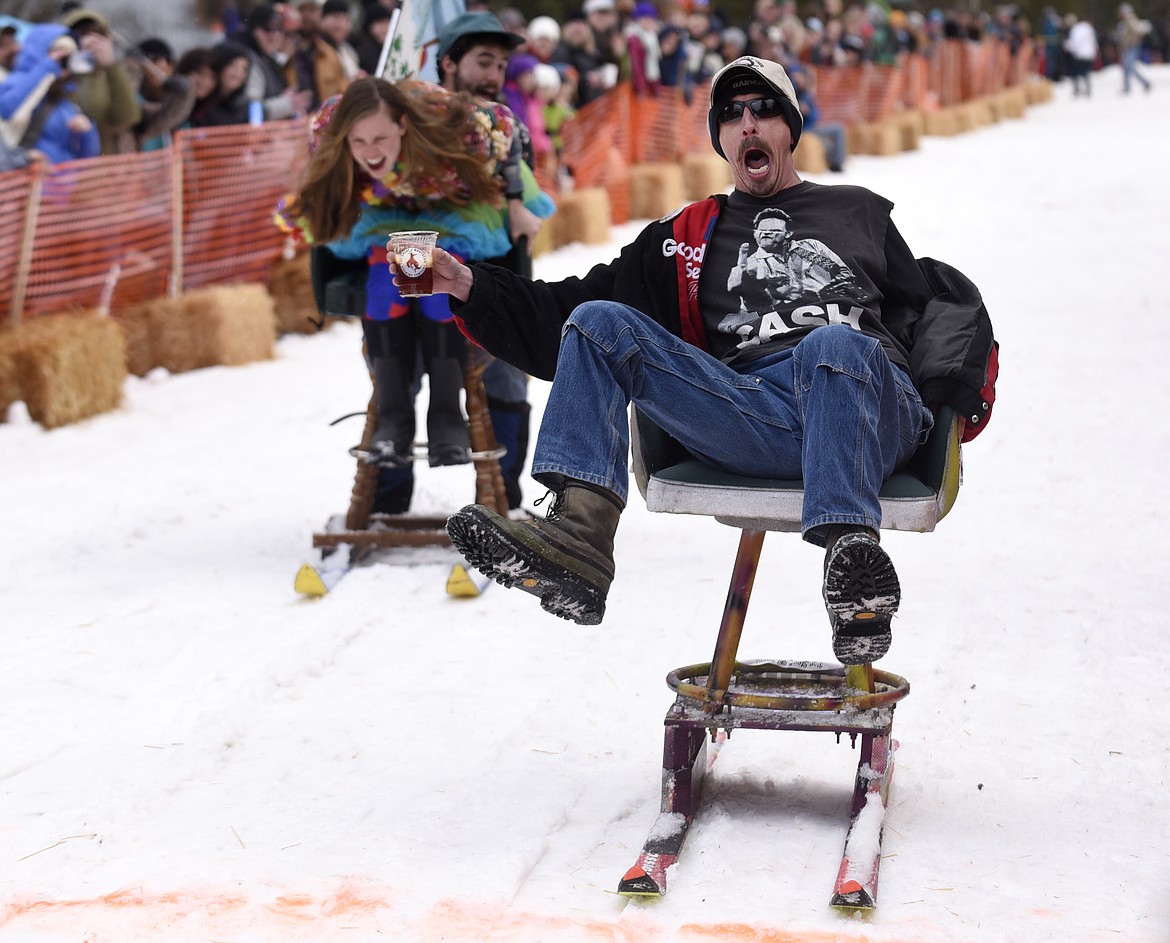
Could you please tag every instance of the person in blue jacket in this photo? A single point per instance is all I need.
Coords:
(35, 105)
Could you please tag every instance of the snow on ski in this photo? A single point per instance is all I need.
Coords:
(857, 879)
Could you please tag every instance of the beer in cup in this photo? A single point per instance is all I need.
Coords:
(412, 255)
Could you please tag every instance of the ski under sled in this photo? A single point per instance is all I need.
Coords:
(716, 698)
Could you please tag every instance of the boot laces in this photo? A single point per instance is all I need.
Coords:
(555, 507)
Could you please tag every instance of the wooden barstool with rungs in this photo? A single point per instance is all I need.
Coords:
(339, 290)
(713, 698)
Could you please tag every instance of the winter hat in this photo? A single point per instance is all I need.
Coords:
(374, 13)
(547, 76)
(64, 44)
(645, 9)
(155, 48)
(747, 74)
(83, 19)
(520, 65)
(544, 27)
(263, 16)
(598, 6)
(468, 26)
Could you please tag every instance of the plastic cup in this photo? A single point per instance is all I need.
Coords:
(412, 255)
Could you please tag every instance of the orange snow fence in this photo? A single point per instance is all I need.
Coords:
(110, 233)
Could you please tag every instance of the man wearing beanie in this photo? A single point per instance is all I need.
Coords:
(783, 331)
(336, 26)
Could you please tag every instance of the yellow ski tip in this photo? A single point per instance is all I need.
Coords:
(309, 582)
(460, 583)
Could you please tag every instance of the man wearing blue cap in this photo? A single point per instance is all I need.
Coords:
(473, 53)
(826, 375)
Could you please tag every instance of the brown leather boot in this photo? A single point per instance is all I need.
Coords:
(565, 559)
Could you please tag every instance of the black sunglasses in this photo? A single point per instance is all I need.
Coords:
(760, 107)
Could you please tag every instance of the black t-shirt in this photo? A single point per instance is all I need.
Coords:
(780, 266)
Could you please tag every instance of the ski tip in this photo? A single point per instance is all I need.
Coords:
(637, 883)
(309, 582)
(460, 583)
(852, 896)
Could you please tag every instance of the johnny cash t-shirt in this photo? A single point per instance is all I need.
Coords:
(778, 267)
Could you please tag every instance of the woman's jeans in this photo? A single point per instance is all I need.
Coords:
(832, 410)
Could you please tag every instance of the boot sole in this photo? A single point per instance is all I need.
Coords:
(496, 555)
(861, 593)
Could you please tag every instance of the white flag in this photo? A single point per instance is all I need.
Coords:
(413, 49)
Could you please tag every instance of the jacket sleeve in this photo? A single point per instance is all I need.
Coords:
(27, 85)
(955, 353)
(125, 108)
(519, 320)
(177, 101)
(938, 315)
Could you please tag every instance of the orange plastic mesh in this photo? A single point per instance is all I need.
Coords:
(233, 177)
(15, 189)
(839, 93)
(916, 92)
(946, 73)
(103, 233)
(105, 227)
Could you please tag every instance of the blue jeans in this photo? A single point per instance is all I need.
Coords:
(832, 410)
(1129, 67)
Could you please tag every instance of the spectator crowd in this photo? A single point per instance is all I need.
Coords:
(76, 88)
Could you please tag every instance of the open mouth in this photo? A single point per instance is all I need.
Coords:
(374, 165)
(756, 161)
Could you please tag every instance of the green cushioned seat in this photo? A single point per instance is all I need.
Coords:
(915, 498)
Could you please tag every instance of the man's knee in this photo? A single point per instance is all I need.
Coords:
(603, 322)
(836, 343)
(591, 313)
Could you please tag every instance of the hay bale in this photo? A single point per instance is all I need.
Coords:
(1015, 102)
(656, 190)
(9, 384)
(880, 138)
(135, 325)
(142, 327)
(964, 118)
(228, 324)
(942, 123)
(981, 112)
(290, 283)
(69, 366)
(911, 124)
(809, 156)
(1037, 91)
(545, 240)
(582, 216)
(704, 174)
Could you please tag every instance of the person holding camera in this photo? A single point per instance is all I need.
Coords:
(37, 113)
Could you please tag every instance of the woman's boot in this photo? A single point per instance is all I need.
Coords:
(390, 346)
(445, 358)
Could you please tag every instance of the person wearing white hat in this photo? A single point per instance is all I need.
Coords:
(603, 20)
(782, 331)
(543, 35)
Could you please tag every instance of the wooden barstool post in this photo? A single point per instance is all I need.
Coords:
(739, 594)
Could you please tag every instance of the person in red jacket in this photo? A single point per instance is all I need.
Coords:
(828, 375)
